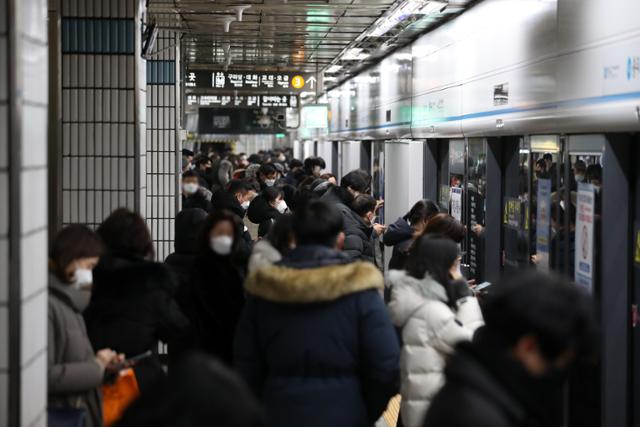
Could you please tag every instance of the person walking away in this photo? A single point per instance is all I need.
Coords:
(402, 233)
(315, 341)
(132, 304)
(435, 308)
(512, 374)
(216, 295)
(74, 371)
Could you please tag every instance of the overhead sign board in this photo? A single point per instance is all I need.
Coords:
(239, 80)
(243, 101)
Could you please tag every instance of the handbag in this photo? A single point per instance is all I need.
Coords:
(66, 417)
(117, 397)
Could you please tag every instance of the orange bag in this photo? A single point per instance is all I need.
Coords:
(118, 396)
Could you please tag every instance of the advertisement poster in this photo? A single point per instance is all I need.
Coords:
(543, 223)
(456, 203)
(584, 275)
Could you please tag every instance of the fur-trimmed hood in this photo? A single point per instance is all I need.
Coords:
(410, 293)
(310, 285)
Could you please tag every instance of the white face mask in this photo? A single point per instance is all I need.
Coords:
(190, 187)
(579, 178)
(245, 205)
(282, 206)
(269, 182)
(82, 277)
(221, 245)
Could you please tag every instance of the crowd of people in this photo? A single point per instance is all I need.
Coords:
(277, 311)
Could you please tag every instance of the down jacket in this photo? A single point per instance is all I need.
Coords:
(430, 330)
(315, 341)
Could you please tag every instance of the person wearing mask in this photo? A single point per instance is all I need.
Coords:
(74, 371)
(193, 195)
(435, 308)
(402, 233)
(132, 304)
(329, 341)
(447, 226)
(267, 176)
(236, 197)
(201, 391)
(268, 205)
(203, 169)
(579, 171)
(361, 236)
(215, 296)
(513, 372)
(351, 186)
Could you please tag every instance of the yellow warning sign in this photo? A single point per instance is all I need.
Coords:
(637, 254)
(297, 82)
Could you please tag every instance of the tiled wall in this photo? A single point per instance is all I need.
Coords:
(23, 199)
(102, 152)
(163, 100)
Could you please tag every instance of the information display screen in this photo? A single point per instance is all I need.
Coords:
(237, 80)
(244, 101)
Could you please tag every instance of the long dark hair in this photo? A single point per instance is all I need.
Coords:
(211, 221)
(433, 255)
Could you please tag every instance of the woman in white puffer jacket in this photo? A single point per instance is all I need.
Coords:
(435, 308)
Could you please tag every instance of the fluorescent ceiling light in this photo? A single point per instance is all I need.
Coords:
(406, 9)
(330, 79)
(354, 54)
(333, 69)
(432, 7)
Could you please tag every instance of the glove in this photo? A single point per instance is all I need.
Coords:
(460, 289)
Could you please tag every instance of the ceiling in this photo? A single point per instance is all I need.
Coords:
(295, 35)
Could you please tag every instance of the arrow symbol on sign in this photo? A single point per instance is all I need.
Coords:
(312, 81)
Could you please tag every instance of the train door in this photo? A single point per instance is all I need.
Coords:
(516, 155)
(462, 183)
(474, 200)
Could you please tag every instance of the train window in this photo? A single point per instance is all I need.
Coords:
(377, 173)
(444, 188)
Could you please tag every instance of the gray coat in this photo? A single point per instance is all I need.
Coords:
(74, 376)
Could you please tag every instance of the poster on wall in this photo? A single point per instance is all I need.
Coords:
(456, 203)
(584, 274)
(543, 223)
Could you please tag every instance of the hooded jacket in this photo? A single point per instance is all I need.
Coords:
(187, 228)
(260, 210)
(430, 330)
(400, 236)
(72, 371)
(315, 341)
